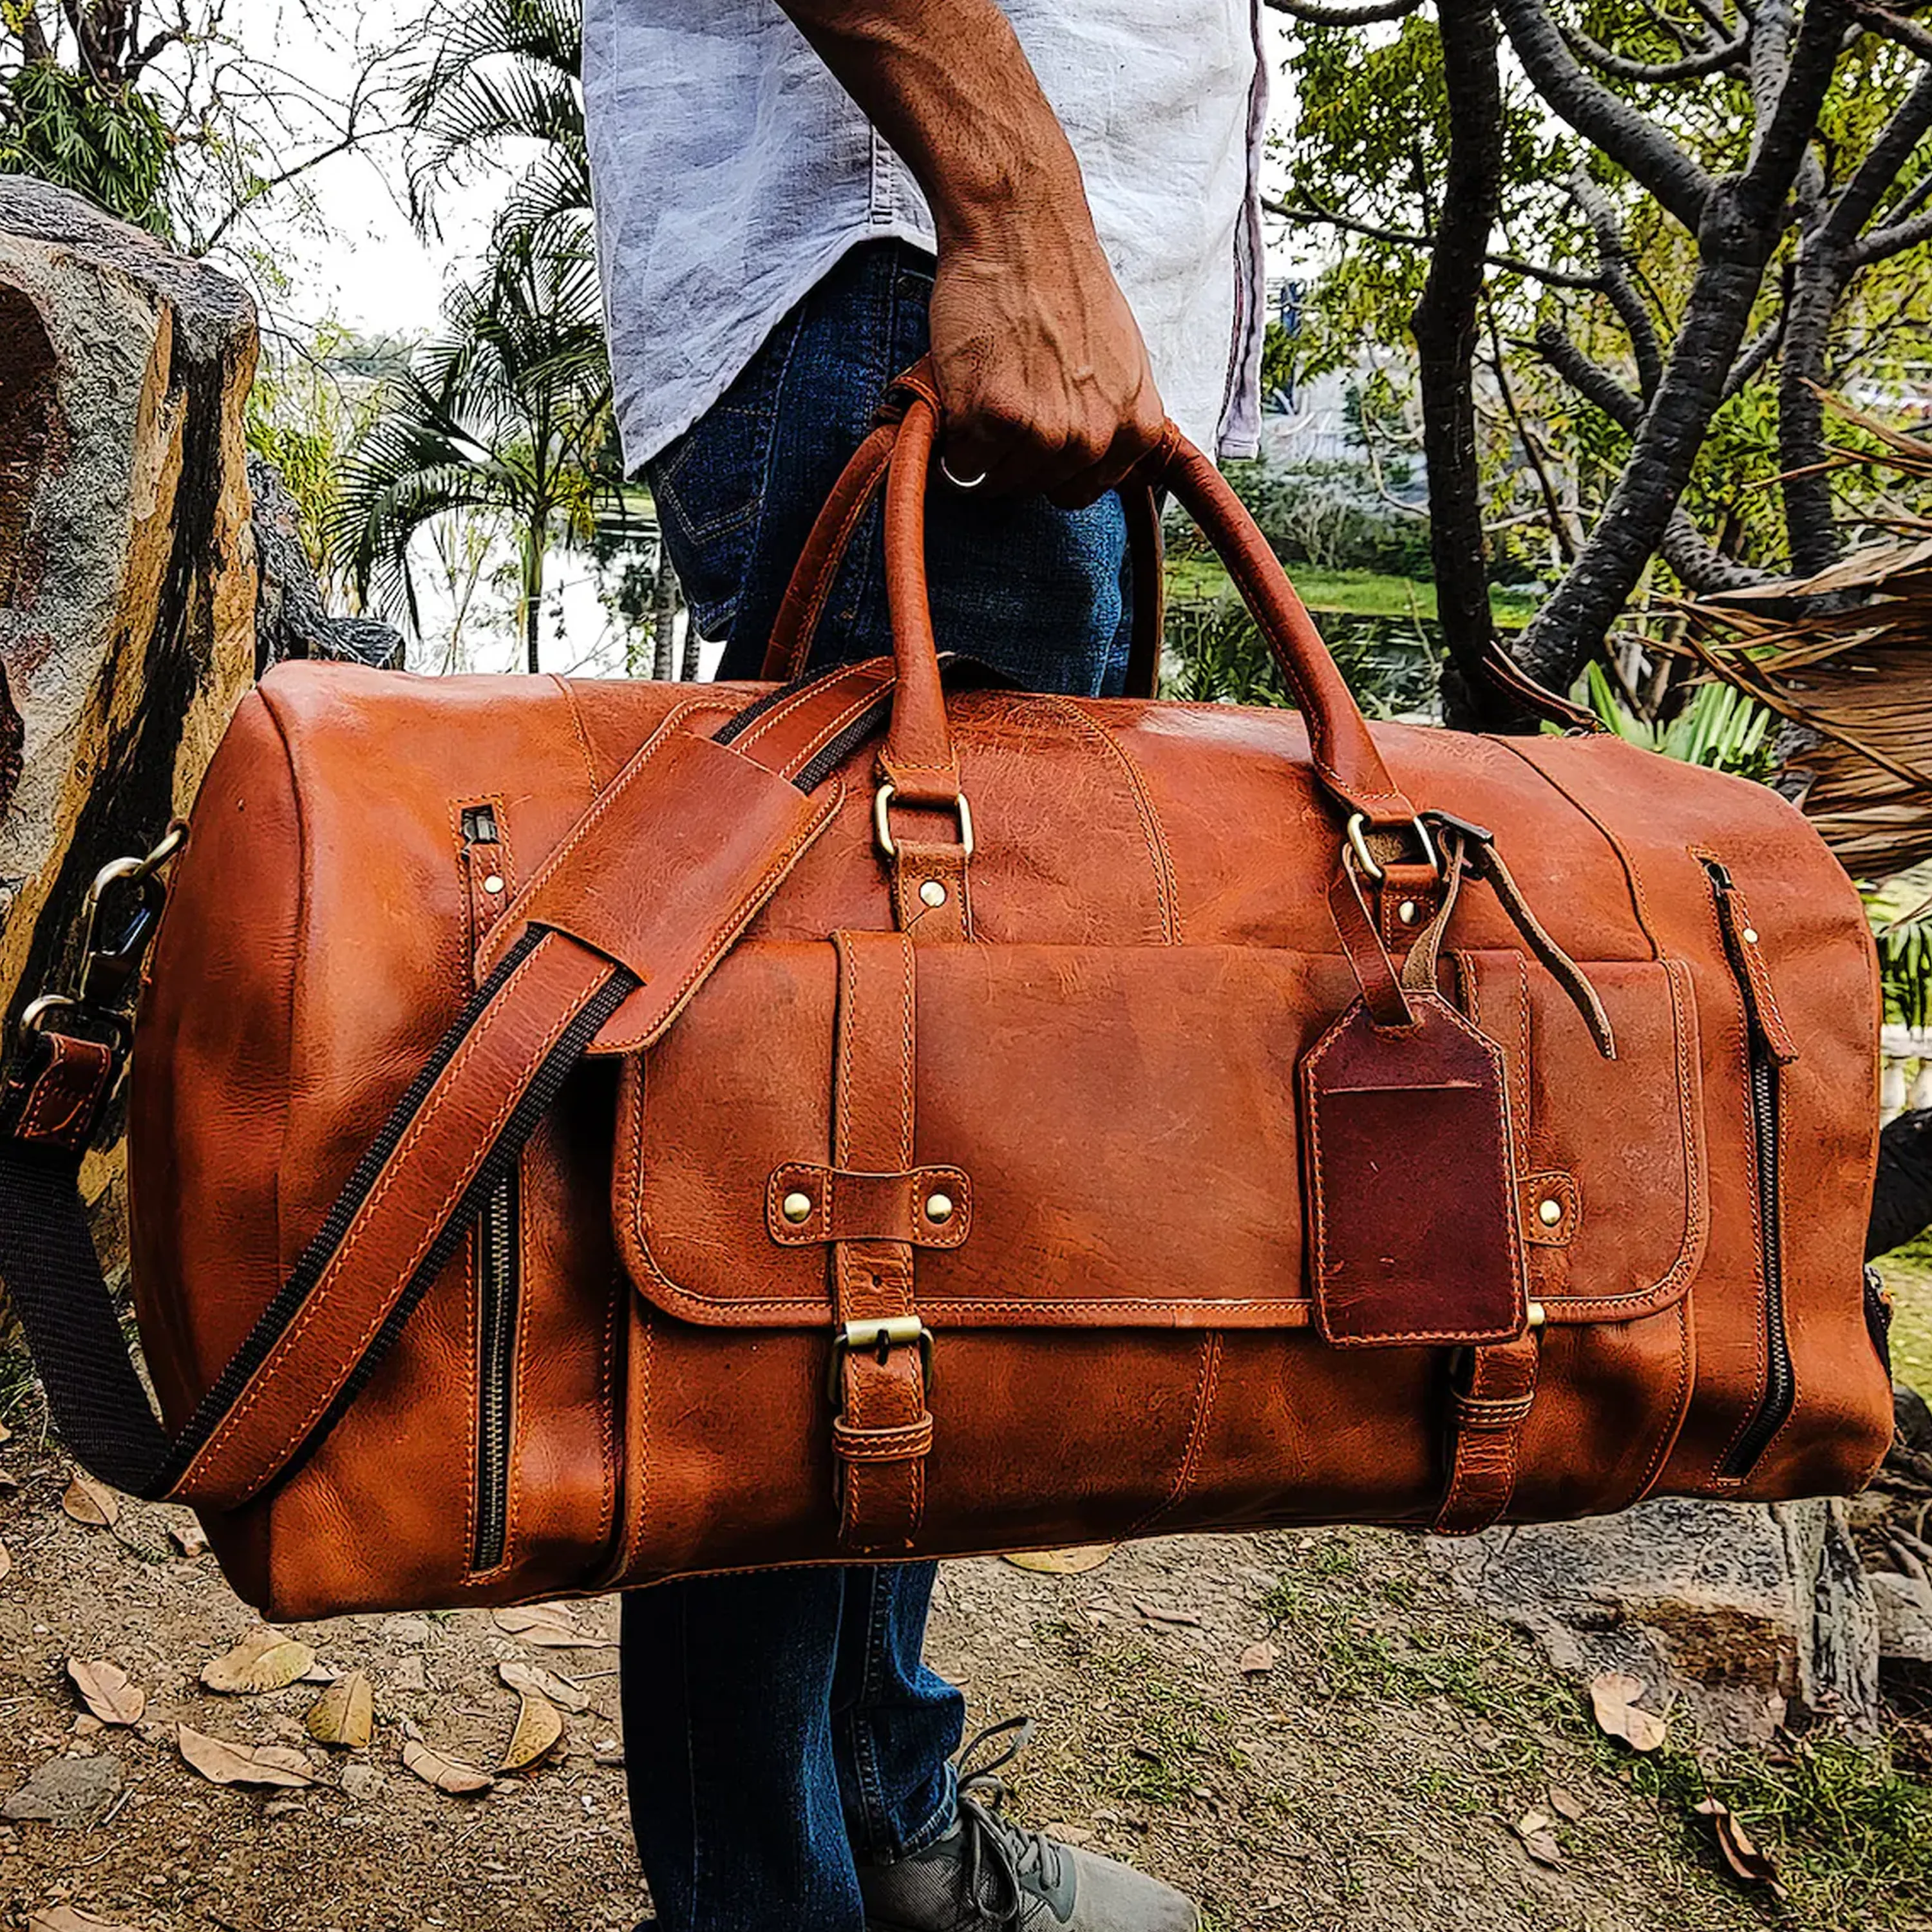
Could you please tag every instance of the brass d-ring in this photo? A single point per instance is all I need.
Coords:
(1358, 842)
(882, 824)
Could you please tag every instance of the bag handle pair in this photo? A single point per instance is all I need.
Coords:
(918, 760)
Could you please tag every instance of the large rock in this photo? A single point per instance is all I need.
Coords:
(127, 562)
(1746, 1611)
(291, 620)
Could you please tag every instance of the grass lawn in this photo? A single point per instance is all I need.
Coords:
(1355, 593)
(1908, 1274)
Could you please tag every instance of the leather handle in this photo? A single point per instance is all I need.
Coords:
(813, 576)
(918, 757)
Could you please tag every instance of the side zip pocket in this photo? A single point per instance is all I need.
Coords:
(1771, 1049)
(498, 1273)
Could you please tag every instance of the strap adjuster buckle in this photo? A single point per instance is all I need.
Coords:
(877, 1337)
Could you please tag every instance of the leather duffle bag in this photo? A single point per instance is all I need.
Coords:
(582, 1134)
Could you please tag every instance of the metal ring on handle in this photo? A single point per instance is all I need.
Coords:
(882, 803)
(1358, 826)
(960, 482)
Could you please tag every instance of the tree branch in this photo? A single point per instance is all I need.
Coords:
(1555, 278)
(1637, 143)
(1882, 244)
(1700, 564)
(1613, 261)
(1591, 380)
(1619, 67)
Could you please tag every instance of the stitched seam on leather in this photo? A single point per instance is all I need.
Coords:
(1632, 878)
(1206, 1383)
(576, 725)
(436, 1100)
(1653, 1299)
(1667, 1438)
(747, 909)
(850, 715)
(799, 648)
(799, 701)
(600, 808)
(1159, 853)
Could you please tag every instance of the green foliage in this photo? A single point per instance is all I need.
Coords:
(1717, 726)
(107, 141)
(505, 415)
(1901, 917)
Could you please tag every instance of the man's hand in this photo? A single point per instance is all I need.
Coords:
(1039, 362)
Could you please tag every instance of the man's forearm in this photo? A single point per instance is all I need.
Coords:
(1043, 371)
(948, 84)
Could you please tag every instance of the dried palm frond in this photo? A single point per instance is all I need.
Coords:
(1846, 656)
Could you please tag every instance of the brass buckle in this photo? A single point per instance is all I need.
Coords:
(880, 1335)
(882, 805)
(1358, 842)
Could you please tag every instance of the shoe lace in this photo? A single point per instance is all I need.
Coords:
(1000, 1854)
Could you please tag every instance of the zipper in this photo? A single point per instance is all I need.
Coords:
(498, 1273)
(1771, 1050)
(497, 1295)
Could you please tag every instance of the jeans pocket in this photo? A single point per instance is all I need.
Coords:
(709, 485)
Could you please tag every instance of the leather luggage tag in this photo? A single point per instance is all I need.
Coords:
(1411, 1191)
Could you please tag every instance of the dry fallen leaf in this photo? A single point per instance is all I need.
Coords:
(546, 1684)
(221, 1762)
(6, 1562)
(188, 1539)
(548, 1626)
(1611, 1698)
(1567, 1805)
(9, 1482)
(105, 1690)
(1258, 1659)
(64, 1918)
(446, 1774)
(539, 1730)
(6, 1434)
(1075, 1562)
(1154, 1614)
(89, 1502)
(264, 1660)
(345, 1714)
(1740, 1852)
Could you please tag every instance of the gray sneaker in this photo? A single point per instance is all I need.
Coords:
(987, 1872)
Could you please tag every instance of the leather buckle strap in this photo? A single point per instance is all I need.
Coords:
(882, 1428)
(1490, 1407)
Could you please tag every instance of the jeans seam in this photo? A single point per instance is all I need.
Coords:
(865, 1745)
(768, 427)
(860, 559)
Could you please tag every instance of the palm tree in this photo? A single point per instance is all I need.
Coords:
(507, 413)
(501, 73)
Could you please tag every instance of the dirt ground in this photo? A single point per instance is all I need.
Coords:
(1306, 1731)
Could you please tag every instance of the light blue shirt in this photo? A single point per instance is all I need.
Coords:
(732, 171)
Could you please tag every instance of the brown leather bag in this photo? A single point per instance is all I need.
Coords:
(585, 1134)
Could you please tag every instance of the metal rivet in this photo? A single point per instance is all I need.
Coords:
(1550, 1213)
(1409, 912)
(796, 1208)
(493, 883)
(1537, 1315)
(939, 1209)
(1750, 937)
(932, 893)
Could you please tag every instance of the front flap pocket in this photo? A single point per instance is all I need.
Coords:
(1115, 1130)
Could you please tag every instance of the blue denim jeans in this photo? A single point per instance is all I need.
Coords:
(780, 1726)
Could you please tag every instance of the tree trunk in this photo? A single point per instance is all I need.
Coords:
(1444, 323)
(534, 546)
(1570, 628)
(1809, 522)
(664, 616)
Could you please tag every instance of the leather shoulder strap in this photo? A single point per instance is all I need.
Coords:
(562, 970)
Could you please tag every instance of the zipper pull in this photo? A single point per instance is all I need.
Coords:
(1747, 951)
